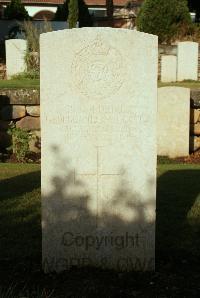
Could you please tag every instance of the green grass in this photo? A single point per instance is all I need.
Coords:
(20, 210)
(35, 83)
(22, 83)
(177, 241)
(187, 84)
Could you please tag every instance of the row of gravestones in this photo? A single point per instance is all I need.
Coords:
(182, 67)
(98, 90)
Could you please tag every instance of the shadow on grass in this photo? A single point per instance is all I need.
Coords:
(177, 225)
(20, 228)
(19, 185)
(177, 240)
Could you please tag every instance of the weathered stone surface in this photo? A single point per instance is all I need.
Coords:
(13, 112)
(19, 96)
(15, 56)
(98, 148)
(29, 123)
(173, 131)
(33, 111)
(194, 115)
(168, 68)
(35, 142)
(187, 61)
(195, 98)
(195, 129)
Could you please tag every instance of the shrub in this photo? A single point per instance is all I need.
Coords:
(84, 17)
(20, 142)
(73, 13)
(163, 18)
(16, 10)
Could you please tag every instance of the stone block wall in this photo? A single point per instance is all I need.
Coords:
(195, 120)
(199, 64)
(22, 106)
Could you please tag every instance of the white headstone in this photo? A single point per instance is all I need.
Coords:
(168, 68)
(98, 148)
(173, 121)
(15, 56)
(187, 61)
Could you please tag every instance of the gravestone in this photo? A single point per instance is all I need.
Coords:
(187, 61)
(15, 56)
(98, 126)
(168, 68)
(173, 121)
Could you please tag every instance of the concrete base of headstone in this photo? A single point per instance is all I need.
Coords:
(98, 126)
(168, 68)
(187, 61)
(15, 57)
(173, 121)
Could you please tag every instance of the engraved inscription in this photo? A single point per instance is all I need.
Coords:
(101, 124)
(97, 70)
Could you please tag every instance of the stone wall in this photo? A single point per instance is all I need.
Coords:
(195, 120)
(23, 107)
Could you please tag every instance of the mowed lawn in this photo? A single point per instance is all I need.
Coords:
(35, 83)
(177, 241)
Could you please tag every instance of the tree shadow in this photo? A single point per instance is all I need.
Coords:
(72, 232)
(178, 214)
(82, 227)
(20, 230)
(19, 185)
(176, 237)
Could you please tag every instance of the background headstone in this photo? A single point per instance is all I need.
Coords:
(187, 61)
(168, 68)
(15, 54)
(173, 121)
(98, 129)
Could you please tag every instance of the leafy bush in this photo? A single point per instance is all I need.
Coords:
(189, 33)
(163, 18)
(84, 17)
(20, 142)
(16, 10)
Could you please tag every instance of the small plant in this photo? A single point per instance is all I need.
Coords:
(20, 141)
(26, 75)
(32, 58)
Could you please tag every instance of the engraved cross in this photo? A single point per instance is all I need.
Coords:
(98, 176)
